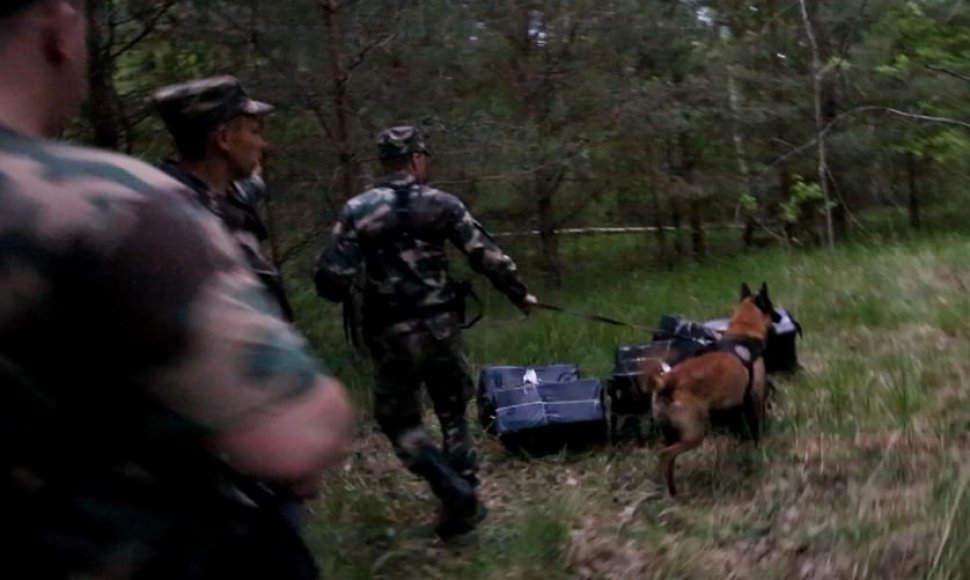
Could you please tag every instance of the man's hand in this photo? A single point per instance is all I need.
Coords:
(293, 443)
(527, 303)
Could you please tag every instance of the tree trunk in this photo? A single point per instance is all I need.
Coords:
(912, 169)
(676, 218)
(698, 247)
(673, 192)
(691, 195)
(548, 239)
(785, 183)
(830, 109)
(748, 236)
(102, 110)
(818, 79)
(658, 223)
(341, 98)
(740, 154)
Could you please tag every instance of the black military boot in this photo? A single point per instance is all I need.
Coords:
(465, 463)
(460, 517)
(461, 510)
(459, 449)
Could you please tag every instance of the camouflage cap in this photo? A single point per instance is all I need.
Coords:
(400, 141)
(205, 103)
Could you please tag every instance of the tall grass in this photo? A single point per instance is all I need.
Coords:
(861, 475)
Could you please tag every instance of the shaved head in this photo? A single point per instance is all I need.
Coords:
(13, 13)
(43, 64)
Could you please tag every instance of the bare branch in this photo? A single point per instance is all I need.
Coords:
(947, 71)
(362, 54)
(299, 246)
(148, 28)
(322, 120)
(914, 116)
(869, 109)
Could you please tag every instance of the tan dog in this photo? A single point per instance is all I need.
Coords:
(730, 377)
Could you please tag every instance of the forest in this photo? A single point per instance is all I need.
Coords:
(786, 121)
(637, 158)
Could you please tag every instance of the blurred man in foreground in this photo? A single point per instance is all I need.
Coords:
(149, 394)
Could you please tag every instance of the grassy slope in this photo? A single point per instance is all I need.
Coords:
(861, 476)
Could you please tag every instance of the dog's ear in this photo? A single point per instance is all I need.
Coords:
(745, 291)
(768, 308)
(763, 301)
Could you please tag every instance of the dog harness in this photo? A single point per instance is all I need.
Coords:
(747, 350)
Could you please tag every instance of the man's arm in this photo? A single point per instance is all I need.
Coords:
(196, 332)
(339, 262)
(293, 442)
(486, 257)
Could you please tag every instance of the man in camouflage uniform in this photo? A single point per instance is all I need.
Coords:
(147, 389)
(397, 231)
(217, 130)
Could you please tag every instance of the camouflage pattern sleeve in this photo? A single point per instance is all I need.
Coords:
(122, 276)
(179, 280)
(338, 264)
(484, 255)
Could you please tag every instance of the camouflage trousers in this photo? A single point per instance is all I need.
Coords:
(428, 354)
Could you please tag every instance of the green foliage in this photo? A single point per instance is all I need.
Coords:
(586, 102)
(749, 202)
(930, 53)
(802, 194)
(945, 146)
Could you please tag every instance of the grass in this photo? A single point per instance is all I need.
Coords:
(862, 475)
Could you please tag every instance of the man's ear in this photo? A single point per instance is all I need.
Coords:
(56, 17)
(219, 137)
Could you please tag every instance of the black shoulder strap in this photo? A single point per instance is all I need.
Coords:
(463, 291)
(402, 208)
(402, 211)
(747, 350)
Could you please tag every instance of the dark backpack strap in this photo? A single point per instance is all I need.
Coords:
(352, 315)
(402, 204)
(464, 291)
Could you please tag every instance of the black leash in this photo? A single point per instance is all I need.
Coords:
(593, 317)
(614, 322)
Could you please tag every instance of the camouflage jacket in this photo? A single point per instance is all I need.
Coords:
(398, 231)
(130, 326)
(237, 210)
